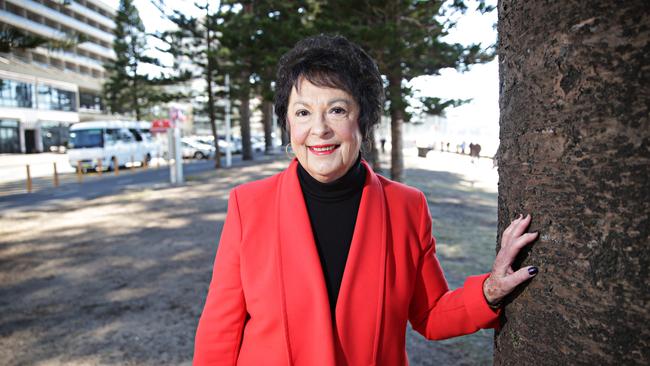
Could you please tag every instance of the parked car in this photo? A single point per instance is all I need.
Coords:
(257, 143)
(193, 149)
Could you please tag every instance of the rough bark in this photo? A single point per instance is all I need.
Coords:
(575, 154)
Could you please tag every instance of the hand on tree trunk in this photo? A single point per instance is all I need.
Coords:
(503, 279)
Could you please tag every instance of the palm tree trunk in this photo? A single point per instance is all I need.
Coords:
(575, 154)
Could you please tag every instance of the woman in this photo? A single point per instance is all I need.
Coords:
(325, 262)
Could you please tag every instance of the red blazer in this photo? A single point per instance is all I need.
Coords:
(267, 303)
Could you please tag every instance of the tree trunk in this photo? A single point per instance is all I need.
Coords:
(285, 138)
(396, 122)
(208, 73)
(370, 152)
(267, 110)
(575, 154)
(245, 119)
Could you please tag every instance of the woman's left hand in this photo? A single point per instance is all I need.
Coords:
(503, 279)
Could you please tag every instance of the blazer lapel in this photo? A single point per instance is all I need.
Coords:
(361, 297)
(305, 305)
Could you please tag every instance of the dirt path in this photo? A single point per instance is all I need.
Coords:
(121, 280)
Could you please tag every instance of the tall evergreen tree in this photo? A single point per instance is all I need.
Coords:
(128, 89)
(254, 34)
(404, 37)
(195, 39)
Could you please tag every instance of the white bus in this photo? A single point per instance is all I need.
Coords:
(113, 142)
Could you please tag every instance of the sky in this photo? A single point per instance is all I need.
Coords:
(480, 117)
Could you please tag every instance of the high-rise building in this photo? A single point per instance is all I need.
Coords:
(43, 90)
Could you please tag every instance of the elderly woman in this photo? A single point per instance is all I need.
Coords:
(325, 262)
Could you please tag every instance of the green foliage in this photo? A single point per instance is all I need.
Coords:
(128, 89)
(12, 38)
(405, 37)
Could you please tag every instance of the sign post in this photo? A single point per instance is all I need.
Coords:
(175, 152)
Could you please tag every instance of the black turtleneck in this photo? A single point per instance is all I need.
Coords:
(333, 209)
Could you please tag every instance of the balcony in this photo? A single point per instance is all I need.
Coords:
(66, 20)
(48, 32)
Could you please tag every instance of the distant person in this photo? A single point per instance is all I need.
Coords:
(447, 147)
(279, 295)
(462, 148)
(477, 151)
(383, 144)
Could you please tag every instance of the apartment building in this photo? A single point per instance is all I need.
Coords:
(43, 91)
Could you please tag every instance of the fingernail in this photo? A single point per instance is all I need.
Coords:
(533, 271)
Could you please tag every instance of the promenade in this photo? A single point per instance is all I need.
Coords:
(121, 279)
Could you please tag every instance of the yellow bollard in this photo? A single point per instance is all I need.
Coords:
(29, 180)
(79, 172)
(116, 166)
(100, 169)
(56, 176)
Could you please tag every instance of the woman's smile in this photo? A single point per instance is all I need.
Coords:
(321, 150)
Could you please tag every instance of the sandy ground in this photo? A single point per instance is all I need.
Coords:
(121, 280)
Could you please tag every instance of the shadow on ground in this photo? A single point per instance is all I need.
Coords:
(122, 279)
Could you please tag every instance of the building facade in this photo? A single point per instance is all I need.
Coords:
(43, 91)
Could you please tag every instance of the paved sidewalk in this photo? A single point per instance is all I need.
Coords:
(121, 279)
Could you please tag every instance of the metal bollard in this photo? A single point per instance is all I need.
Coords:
(100, 168)
(116, 166)
(157, 161)
(56, 176)
(29, 180)
(132, 164)
(79, 172)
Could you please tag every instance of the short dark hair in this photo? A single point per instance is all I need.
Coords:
(334, 62)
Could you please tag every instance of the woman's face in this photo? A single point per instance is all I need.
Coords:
(324, 129)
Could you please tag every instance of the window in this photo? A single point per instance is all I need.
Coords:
(15, 94)
(90, 101)
(9, 138)
(55, 135)
(86, 138)
(136, 134)
(56, 99)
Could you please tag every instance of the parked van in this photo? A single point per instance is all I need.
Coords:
(114, 142)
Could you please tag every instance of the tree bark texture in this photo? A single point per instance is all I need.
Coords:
(396, 123)
(575, 153)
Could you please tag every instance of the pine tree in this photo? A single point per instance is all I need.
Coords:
(127, 89)
(404, 37)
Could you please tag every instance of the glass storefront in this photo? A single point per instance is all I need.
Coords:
(9, 136)
(56, 99)
(55, 136)
(16, 94)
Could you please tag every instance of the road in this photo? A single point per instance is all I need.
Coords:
(13, 194)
